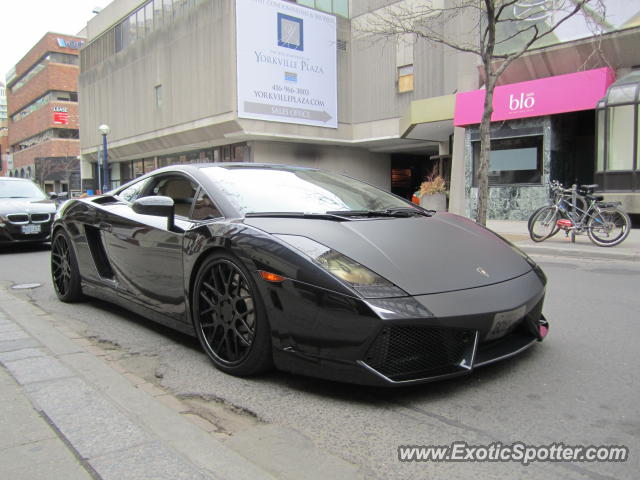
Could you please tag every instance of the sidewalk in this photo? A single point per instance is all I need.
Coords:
(560, 245)
(67, 413)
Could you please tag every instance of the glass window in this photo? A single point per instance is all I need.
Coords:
(148, 16)
(307, 3)
(157, 13)
(405, 78)
(149, 165)
(133, 29)
(117, 33)
(621, 94)
(620, 154)
(341, 7)
(240, 153)
(291, 189)
(324, 5)
(204, 208)
(125, 171)
(13, 189)
(512, 161)
(138, 168)
(178, 188)
(600, 114)
(140, 23)
(167, 7)
(132, 192)
(124, 27)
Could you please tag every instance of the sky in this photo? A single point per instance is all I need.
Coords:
(24, 23)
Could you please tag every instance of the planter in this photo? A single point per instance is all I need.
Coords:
(437, 202)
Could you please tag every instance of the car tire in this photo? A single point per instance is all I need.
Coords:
(64, 269)
(229, 317)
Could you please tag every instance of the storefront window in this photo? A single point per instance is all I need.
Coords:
(600, 115)
(512, 161)
(620, 151)
(138, 168)
(149, 165)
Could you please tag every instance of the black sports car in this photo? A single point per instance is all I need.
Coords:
(312, 271)
(26, 214)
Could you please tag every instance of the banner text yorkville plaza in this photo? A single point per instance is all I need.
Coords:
(515, 452)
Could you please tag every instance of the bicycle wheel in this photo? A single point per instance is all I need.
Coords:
(609, 228)
(543, 224)
(532, 216)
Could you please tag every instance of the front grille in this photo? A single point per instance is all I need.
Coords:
(40, 217)
(18, 218)
(412, 352)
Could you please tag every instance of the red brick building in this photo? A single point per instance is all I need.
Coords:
(4, 132)
(43, 122)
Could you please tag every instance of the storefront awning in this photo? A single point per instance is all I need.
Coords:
(429, 119)
(546, 96)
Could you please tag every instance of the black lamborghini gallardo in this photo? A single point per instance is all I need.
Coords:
(310, 271)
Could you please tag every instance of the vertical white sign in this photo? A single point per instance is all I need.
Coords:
(286, 63)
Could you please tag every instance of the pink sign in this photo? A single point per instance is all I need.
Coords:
(535, 98)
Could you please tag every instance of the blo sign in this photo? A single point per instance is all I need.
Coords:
(546, 96)
(521, 102)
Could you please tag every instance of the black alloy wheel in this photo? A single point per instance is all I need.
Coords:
(64, 269)
(229, 317)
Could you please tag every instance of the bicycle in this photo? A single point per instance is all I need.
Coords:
(557, 191)
(605, 223)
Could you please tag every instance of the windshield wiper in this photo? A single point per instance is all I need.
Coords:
(319, 216)
(400, 212)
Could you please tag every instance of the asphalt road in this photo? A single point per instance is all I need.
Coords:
(579, 387)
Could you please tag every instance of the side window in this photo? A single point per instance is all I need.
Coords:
(204, 208)
(134, 191)
(180, 189)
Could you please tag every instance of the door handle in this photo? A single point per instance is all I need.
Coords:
(105, 226)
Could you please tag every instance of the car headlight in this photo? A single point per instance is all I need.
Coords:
(366, 282)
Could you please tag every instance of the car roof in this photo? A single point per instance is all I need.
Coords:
(275, 166)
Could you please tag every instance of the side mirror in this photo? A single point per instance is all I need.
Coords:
(53, 196)
(157, 206)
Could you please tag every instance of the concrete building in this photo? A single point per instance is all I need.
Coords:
(164, 77)
(271, 81)
(43, 114)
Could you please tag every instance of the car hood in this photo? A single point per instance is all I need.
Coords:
(26, 205)
(421, 255)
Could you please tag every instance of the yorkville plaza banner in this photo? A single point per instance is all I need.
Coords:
(286, 63)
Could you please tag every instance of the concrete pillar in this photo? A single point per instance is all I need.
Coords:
(457, 187)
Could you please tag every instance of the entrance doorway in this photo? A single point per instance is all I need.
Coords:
(409, 171)
(573, 148)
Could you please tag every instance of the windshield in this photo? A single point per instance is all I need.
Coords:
(290, 189)
(16, 189)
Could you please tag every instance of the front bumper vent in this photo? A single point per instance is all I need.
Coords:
(403, 353)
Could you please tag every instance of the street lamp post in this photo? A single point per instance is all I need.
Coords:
(104, 131)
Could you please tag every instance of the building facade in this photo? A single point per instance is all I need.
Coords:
(4, 132)
(43, 114)
(181, 81)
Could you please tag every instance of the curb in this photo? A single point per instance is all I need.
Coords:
(118, 430)
(605, 254)
(122, 427)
